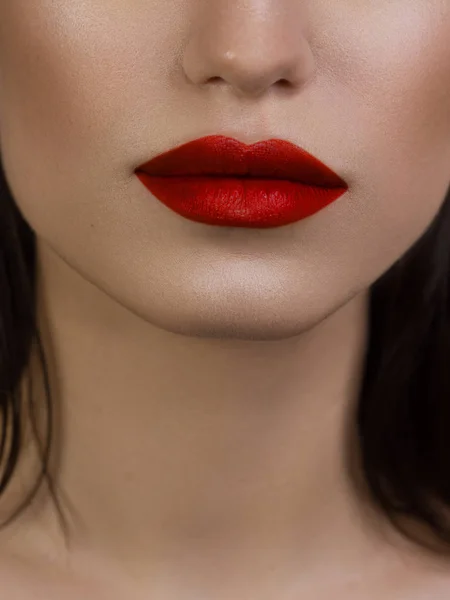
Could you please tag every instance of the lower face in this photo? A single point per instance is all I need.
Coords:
(91, 90)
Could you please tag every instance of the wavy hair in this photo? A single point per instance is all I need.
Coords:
(402, 418)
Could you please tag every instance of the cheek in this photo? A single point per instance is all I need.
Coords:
(411, 136)
(391, 68)
(383, 94)
(399, 81)
(62, 70)
(70, 91)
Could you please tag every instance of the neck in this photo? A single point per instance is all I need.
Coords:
(179, 447)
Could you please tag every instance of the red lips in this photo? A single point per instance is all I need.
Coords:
(220, 181)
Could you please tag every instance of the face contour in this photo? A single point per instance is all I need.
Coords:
(90, 90)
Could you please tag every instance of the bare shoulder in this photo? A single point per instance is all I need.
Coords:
(39, 575)
(23, 579)
(423, 579)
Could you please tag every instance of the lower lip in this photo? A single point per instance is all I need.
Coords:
(239, 202)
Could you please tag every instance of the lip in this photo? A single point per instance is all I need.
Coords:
(219, 180)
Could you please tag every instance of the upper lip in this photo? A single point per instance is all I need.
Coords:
(220, 155)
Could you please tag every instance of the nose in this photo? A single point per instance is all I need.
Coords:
(249, 46)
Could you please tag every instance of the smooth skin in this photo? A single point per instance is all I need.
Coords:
(204, 376)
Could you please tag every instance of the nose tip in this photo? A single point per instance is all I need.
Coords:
(251, 76)
(247, 53)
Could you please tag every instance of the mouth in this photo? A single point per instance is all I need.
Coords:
(218, 180)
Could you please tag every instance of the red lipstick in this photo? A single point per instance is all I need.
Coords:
(220, 181)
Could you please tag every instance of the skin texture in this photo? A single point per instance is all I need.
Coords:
(204, 376)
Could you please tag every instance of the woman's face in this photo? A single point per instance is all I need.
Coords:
(91, 89)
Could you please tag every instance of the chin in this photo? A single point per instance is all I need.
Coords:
(241, 320)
